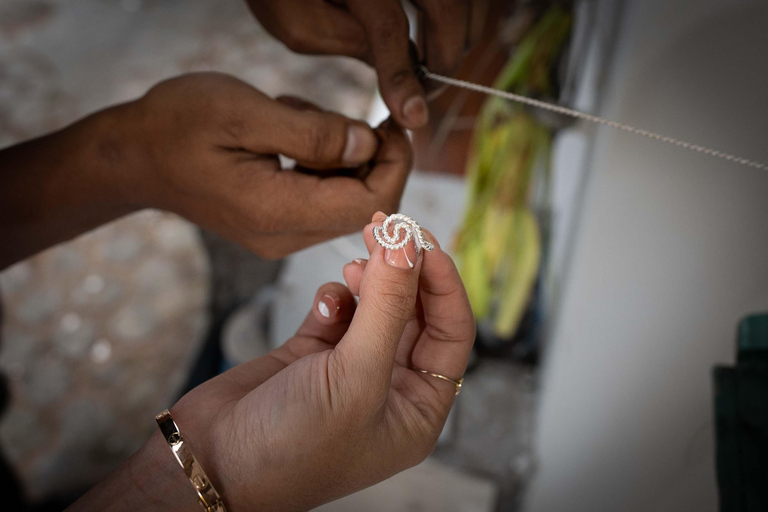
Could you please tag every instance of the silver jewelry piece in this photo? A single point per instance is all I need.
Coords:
(405, 228)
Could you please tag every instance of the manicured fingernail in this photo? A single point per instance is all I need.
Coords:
(329, 305)
(359, 261)
(402, 258)
(361, 145)
(379, 217)
(415, 112)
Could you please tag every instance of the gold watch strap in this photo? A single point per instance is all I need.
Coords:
(206, 494)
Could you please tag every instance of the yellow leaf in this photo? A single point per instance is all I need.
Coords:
(521, 274)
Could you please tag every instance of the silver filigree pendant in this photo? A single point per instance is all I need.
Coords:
(404, 229)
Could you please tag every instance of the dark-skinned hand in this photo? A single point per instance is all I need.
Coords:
(204, 146)
(376, 32)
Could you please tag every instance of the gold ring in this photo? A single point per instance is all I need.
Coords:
(456, 383)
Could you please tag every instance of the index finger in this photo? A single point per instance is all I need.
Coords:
(448, 332)
(447, 325)
(388, 294)
(387, 27)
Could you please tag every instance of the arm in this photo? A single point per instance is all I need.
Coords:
(61, 185)
(151, 480)
(203, 146)
(336, 409)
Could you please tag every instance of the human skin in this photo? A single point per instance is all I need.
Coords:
(337, 408)
(376, 32)
(204, 146)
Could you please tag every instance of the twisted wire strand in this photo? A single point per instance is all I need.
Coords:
(405, 228)
(593, 119)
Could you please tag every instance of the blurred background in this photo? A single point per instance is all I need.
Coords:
(607, 273)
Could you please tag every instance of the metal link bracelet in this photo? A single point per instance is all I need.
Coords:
(206, 494)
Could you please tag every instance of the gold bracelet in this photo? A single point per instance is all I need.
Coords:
(206, 494)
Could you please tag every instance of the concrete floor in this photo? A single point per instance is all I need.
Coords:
(89, 363)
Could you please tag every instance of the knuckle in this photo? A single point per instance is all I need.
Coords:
(400, 76)
(231, 123)
(315, 140)
(397, 299)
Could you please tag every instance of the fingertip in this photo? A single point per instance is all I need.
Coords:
(405, 258)
(415, 112)
(327, 308)
(405, 97)
(361, 145)
(333, 304)
(353, 274)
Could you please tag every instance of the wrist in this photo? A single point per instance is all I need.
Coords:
(61, 185)
(240, 467)
(158, 480)
(110, 156)
(151, 480)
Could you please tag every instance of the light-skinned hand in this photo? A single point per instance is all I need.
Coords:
(337, 408)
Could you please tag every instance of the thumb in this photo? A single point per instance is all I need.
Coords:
(316, 139)
(388, 292)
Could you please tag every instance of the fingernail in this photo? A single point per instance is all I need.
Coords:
(361, 145)
(402, 258)
(359, 261)
(329, 305)
(415, 112)
(379, 217)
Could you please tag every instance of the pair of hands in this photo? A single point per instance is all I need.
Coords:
(231, 181)
(205, 146)
(337, 407)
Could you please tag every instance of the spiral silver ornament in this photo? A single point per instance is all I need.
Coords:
(404, 230)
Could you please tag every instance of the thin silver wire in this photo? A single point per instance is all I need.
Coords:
(594, 119)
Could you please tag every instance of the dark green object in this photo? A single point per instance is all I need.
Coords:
(741, 421)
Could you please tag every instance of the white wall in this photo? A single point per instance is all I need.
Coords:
(672, 250)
